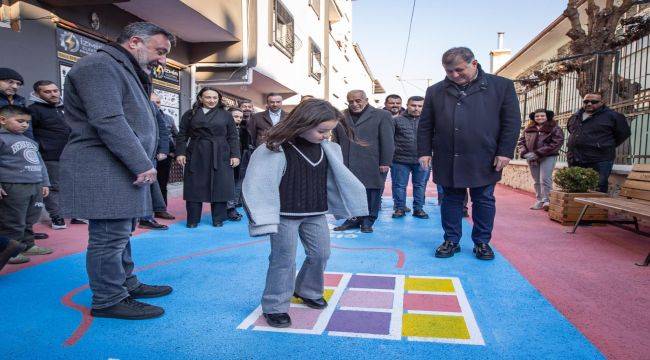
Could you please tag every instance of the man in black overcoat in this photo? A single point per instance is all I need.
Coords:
(469, 124)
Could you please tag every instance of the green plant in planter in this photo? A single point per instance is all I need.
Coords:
(576, 179)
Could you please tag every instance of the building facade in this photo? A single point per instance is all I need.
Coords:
(294, 48)
(630, 95)
(246, 48)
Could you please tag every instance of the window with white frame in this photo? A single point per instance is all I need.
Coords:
(282, 31)
(315, 60)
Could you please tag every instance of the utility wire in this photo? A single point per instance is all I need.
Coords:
(408, 39)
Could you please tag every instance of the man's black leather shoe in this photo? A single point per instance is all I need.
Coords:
(314, 304)
(281, 320)
(233, 215)
(164, 215)
(150, 291)
(398, 213)
(191, 225)
(366, 229)
(151, 224)
(41, 236)
(420, 214)
(347, 225)
(129, 309)
(447, 249)
(483, 252)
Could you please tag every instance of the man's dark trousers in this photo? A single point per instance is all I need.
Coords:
(604, 169)
(163, 167)
(374, 205)
(19, 212)
(108, 261)
(52, 200)
(483, 212)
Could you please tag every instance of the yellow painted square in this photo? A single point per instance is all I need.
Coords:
(327, 294)
(428, 284)
(435, 326)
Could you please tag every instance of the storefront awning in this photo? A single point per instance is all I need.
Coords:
(190, 22)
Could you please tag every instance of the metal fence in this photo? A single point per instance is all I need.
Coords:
(630, 96)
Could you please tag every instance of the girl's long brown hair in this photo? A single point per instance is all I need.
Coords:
(308, 114)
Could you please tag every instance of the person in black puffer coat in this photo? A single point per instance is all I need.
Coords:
(51, 133)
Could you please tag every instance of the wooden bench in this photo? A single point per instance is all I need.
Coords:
(633, 200)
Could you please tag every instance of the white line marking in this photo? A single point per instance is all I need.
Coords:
(398, 308)
(474, 331)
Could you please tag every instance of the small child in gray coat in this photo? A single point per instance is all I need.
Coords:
(23, 178)
(292, 181)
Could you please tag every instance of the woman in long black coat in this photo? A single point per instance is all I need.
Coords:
(207, 146)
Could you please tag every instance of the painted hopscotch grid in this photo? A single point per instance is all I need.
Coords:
(390, 307)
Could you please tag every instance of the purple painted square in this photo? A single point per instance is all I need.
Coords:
(362, 322)
(372, 282)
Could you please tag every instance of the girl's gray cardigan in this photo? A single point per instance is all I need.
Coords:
(346, 195)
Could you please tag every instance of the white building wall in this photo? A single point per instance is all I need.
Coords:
(275, 64)
(346, 70)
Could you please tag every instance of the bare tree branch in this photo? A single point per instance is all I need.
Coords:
(572, 13)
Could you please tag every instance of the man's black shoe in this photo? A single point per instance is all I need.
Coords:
(314, 304)
(281, 320)
(129, 309)
(41, 236)
(150, 291)
(217, 223)
(447, 249)
(164, 215)
(366, 229)
(420, 214)
(233, 215)
(191, 226)
(347, 225)
(398, 213)
(483, 252)
(151, 224)
(79, 221)
(13, 249)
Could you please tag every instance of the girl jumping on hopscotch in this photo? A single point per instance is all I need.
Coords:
(293, 180)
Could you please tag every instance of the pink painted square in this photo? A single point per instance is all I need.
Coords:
(301, 318)
(426, 302)
(367, 299)
(333, 280)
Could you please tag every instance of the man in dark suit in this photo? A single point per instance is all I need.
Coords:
(261, 122)
(370, 157)
(470, 122)
(107, 165)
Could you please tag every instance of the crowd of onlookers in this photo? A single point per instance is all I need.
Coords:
(595, 131)
(107, 159)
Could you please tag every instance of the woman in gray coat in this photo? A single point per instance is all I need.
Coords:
(208, 147)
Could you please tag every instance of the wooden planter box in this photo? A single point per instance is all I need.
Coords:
(566, 211)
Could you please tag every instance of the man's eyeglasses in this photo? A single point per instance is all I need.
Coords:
(593, 102)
